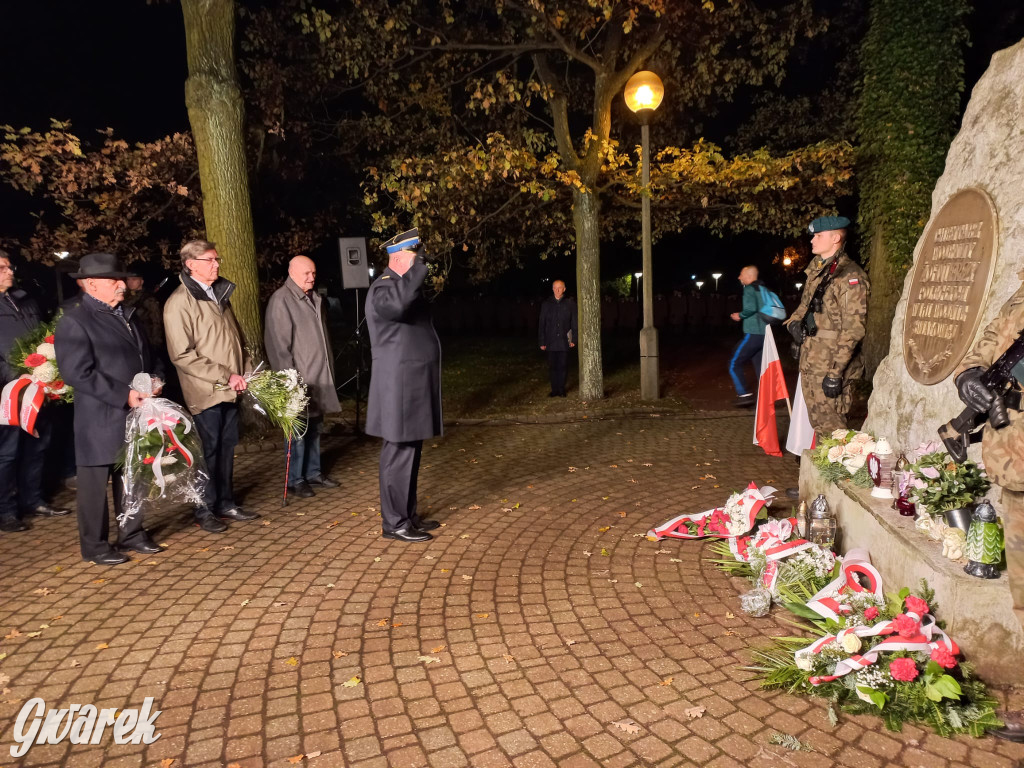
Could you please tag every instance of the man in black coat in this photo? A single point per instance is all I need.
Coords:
(100, 349)
(557, 334)
(404, 405)
(21, 454)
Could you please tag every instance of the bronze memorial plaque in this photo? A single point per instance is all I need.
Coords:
(951, 280)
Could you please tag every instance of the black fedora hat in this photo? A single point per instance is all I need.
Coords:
(100, 265)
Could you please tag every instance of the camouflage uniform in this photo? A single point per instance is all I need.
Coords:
(835, 350)
(1003, 450)
(150, 315)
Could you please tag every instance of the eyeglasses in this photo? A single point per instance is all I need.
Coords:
(218, 260)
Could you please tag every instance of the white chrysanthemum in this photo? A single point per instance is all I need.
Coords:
(47, 351)
(45, 373)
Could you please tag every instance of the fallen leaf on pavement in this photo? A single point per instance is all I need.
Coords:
(509, 658)
(663, 552)
(430, 659)
(396, 624)
(467, 577)
(383, 622)
(627, 725)
(694, 712)
(570, 642)
(674, 560)
(43, 591)
(33, 634)
(613, 581)
(352, 682)
(234, 765)
(376, 559)
(340, 654)
(13, 634)
(667, 681)
(102, 646)
(572, 469)
(446, 570)
(331, 525)
(166, 762)
(296, 759)
(473, 507)
(587, 552)
(482, 615)
(293, 662)
(622, 514)
(613, 466)
(604, 528)
(438, 649)
(265, 522)
(245, 602)
(98, 581)
(730, 615)
(313, 754)
(637, 584)
(648, 464)
(75, 663)
(729, 633)
(605, 552)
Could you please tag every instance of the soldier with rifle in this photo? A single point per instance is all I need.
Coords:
(989, 382)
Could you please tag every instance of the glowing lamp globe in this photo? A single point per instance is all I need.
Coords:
(644, 90)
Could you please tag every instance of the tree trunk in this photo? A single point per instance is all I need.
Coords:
(886, 288)
(217, 114)
(585, 214)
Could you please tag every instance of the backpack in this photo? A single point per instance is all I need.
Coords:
(771, 310)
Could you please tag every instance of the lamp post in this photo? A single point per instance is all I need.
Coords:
(798, 285)
(716, 275)
(643, 94)
(700, 284)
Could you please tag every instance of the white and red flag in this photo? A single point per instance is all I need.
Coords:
(801, 433)
(771, 386)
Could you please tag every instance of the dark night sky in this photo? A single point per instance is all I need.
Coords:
(121, 63)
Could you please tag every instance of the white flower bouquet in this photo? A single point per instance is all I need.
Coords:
(843, 456)
(281, 396)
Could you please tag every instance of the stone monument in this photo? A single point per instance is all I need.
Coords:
(966, 264)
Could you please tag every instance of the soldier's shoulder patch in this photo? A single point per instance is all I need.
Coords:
(854, 281)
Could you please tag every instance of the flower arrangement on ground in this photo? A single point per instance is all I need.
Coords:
(843, 456)
(162, 455)
(280, 396)
(940, 483)
(878, 654)
(733, 519)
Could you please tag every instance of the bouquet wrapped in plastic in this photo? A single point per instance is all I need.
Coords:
(281, 396)
(34, 360)
(163, 456)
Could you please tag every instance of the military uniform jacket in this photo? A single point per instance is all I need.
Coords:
(405, 382)
(835, 350)
(99, 353)
(1002, 450)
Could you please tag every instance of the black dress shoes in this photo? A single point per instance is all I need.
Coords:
(109, 558)
(143, 544)
(301, 489)
(45, 510)
(11, 524)
(206, 521)
(426, 525)
(1010, 732)
(323, 481)
(408, 534)
(239, 514)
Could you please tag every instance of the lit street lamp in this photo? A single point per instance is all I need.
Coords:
(799, 285)
(638, 275)
(643, 94)
(700, 284)
(716, 275)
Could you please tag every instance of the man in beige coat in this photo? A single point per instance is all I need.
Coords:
(295, 336)
(206, 346)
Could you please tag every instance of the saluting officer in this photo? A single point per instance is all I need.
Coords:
(829, 325)
(404, 406)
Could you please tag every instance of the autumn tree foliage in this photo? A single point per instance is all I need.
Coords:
(498, 127)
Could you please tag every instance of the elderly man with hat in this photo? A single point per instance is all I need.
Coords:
(100, 348)
(404, 407)
(829, 325)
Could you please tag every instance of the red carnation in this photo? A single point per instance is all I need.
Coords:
(916, 605)
(942, 657)
(34, 360)
(906, 626)
(49, 339)
(56, 384)
(904, 670)
(149, 460)
(871, 613)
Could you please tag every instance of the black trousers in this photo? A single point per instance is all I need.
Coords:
(93, 513)
(218, 431)
(557, 370)
(399, 467)
(22, 457)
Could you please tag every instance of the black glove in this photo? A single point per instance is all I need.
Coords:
(832, 386)
(796, 330)
(973, 392)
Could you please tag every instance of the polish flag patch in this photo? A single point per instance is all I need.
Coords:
(854, 281)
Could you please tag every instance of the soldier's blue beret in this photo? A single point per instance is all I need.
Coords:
(828, 223)
(407, 241)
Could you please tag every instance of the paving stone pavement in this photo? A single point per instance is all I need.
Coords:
(538, 617)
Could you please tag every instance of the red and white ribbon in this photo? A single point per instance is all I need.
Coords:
(165, 422)
(856, 567)
(712, 522)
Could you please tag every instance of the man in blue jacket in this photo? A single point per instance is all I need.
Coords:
(749, 348)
